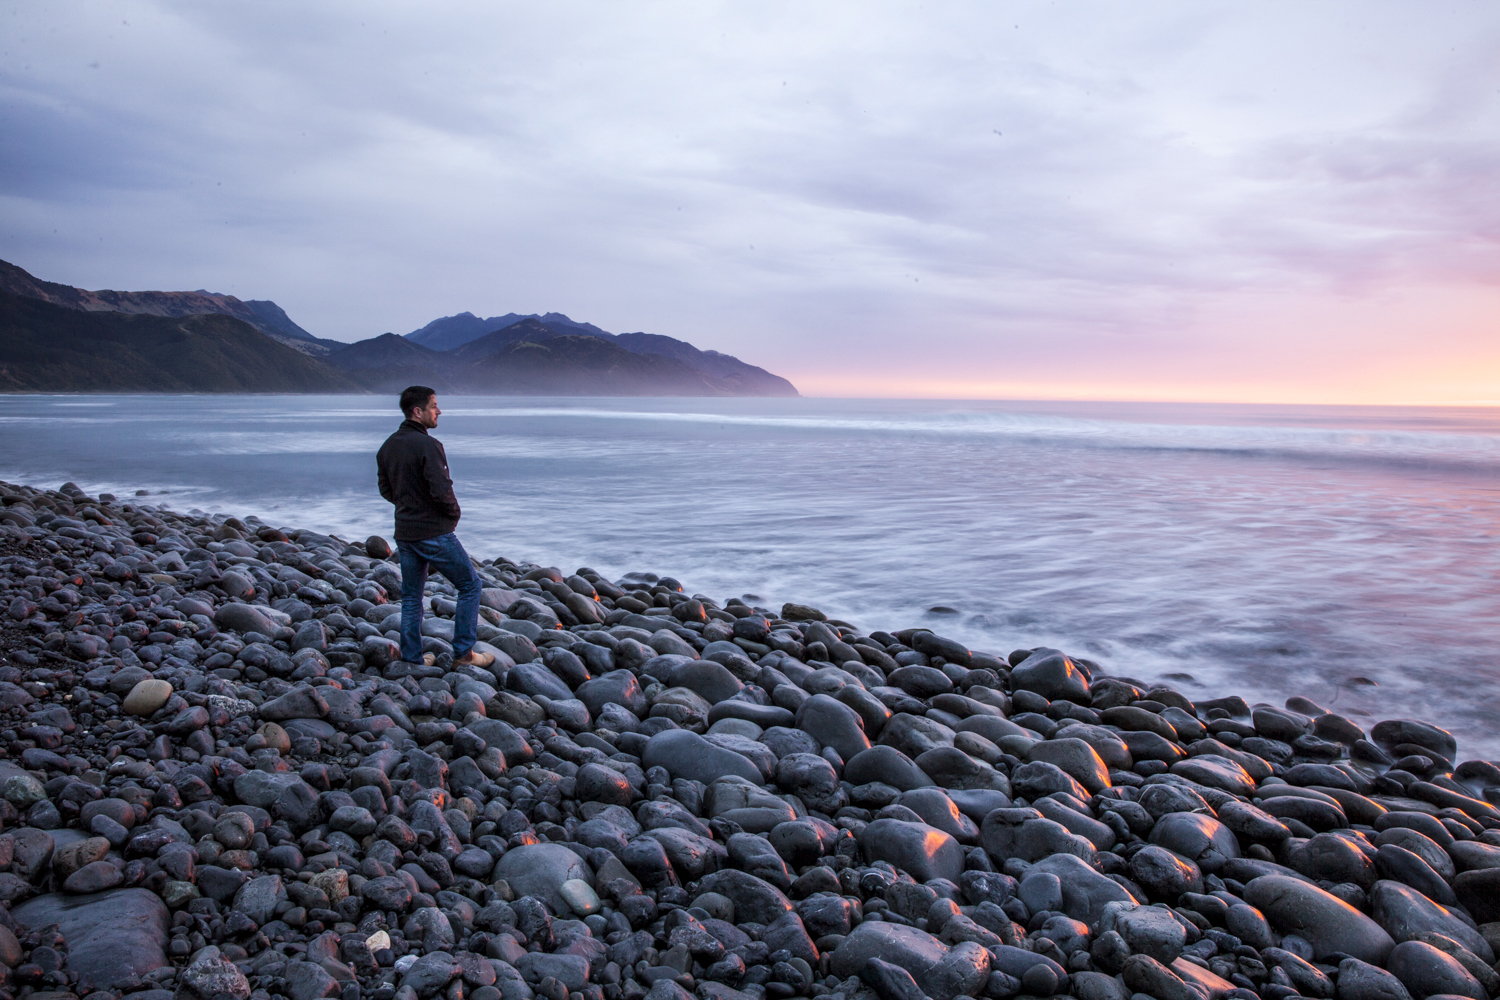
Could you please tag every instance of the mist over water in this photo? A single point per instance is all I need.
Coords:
(1261, 551)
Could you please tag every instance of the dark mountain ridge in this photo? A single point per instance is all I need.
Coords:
(51, 348)
(527, 358)
(267, 317)
(460, 333)
(57, 338)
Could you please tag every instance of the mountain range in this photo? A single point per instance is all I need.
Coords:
(57, 338)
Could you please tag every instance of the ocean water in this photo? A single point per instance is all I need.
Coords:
(1345, 554)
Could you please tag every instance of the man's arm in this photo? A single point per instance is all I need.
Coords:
(439, 486)
(385, 482)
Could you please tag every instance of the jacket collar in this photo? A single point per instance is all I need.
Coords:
(412, 425)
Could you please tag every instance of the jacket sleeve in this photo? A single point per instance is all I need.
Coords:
(385, 481)
(439, 486)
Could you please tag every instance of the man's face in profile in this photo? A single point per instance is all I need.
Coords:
(428, 415)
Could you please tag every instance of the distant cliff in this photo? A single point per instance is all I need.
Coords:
(725, 374)
(57, 338)
(267, 317)
(51, 348)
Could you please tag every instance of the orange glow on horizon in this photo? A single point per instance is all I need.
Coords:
(1430, 346)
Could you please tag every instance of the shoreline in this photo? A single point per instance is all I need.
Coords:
(209, 737)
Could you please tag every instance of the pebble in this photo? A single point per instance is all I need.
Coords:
(724, 802)
(146, 697)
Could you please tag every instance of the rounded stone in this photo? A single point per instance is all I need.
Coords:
(1427, 972)
(1052, 675)
(885, 764)
(96, 876)
(147, 697)
(922, 851)
(1163, 874)
(580, 896)
(541, 870)
(833, 724)
(1405, 914)
(598, 783)
(687, 755)
(1330, 924)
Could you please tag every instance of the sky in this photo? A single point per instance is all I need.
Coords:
(1272, 202)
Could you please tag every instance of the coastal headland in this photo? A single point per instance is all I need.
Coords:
(58, 338)
(220, 780)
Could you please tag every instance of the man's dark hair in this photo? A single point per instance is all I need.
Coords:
(414, 397)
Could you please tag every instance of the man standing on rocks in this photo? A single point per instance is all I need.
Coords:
(414, 477)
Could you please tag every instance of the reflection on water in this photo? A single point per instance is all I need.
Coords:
(1262, 550)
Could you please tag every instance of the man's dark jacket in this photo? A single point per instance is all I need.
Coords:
(414, 477)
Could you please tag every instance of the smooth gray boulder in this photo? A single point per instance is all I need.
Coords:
(1052, 675)
(755, 900)
(941, 972)
(1085, 890)
(1363, 981)
(1077, 759)
(885, 764)
(1427, 972)
(1201, 839)
(540, 870)
(110, 935)
(922, 851)
(1406, 914)
(833, 724)
(1327, 922)
(687, 755)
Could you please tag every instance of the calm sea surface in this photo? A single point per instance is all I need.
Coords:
(1265, 551)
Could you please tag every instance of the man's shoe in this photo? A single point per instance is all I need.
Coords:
(428, 659)
(474, 658)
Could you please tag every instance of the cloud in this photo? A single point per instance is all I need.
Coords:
(1090, 198)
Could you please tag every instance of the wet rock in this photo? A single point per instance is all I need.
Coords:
(146, 697)
(1164, 875)
(1075, 758)
(1201, 839)
(1405, 914)
(1479, 892)
(833, 724)
(1148, 930)
(309, 981)
(950, 767)
(1400, 865)
(111, 935)
(812, 779)
(921, 850)
(1144, 974)
(1039, 778)
(1329, 857)
(938, 810)
(96, 876)
(754, 899)
(688, 755)
(1427, 972)
(939, 971)
(1330, 924)
(212, 975)
(1052, 675)
(885, 764)
(1085, 890)
(541, 870)
(1363, 981)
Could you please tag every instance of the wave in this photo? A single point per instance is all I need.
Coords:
(1474, 451)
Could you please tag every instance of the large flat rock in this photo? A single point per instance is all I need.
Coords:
(110, 935)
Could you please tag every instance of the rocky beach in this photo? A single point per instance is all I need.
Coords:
(220, 782)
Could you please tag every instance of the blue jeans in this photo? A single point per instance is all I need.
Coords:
(447, 556)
